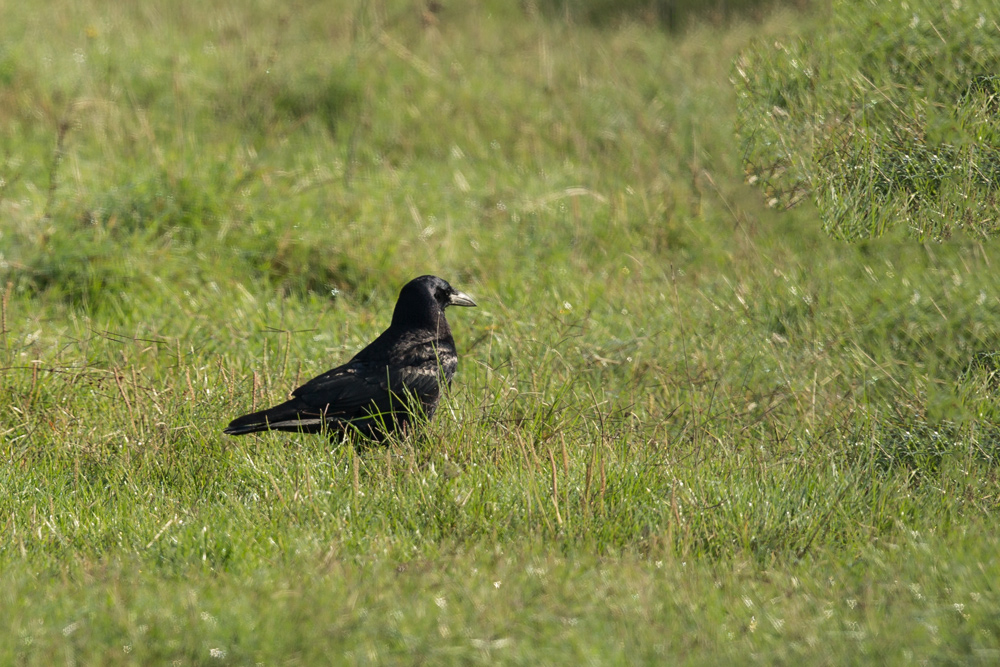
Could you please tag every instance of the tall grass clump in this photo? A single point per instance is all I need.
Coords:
(884, 114)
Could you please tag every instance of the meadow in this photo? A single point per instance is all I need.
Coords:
(687, 427)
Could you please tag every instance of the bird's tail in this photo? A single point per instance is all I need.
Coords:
(292, 415)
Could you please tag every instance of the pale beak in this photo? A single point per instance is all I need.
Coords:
(460, 299)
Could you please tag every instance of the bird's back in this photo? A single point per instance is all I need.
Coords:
(394, 369)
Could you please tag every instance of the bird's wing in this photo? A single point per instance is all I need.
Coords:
(355, 388)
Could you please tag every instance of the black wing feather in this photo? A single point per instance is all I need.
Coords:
(363, 394)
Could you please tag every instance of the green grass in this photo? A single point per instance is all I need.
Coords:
(884, 113)
(687, 428)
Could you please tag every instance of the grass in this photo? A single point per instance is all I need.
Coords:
(885, 115)
(686, 427)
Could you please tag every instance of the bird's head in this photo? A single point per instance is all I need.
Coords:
(422, 301)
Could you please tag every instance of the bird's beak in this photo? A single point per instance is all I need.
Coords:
(460, 299)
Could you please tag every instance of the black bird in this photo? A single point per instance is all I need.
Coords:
(397, 377)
